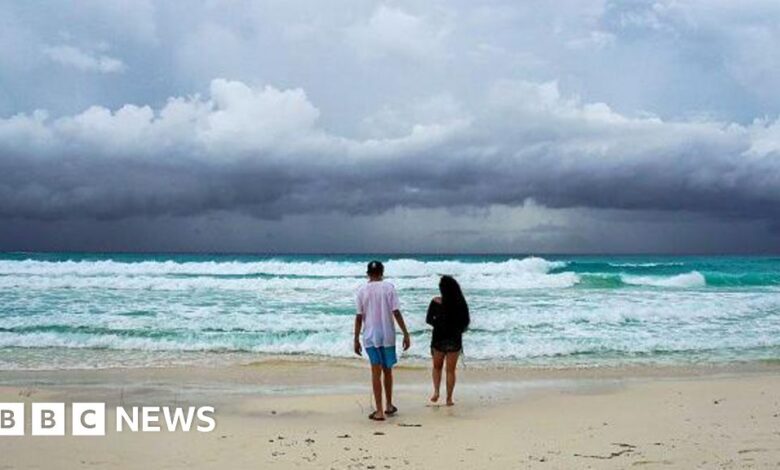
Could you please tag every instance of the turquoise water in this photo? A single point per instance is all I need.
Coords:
(94, 310)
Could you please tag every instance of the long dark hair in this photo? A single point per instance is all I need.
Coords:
(453, 303)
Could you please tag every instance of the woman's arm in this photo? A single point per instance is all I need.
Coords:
(432, 317)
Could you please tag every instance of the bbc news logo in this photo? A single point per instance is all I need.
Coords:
(89, 419)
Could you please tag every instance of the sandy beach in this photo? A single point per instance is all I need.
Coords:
(312, 414)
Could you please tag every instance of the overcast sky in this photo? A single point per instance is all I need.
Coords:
(353, 126)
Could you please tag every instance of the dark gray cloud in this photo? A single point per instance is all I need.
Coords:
(260, 151)
(524, 229)
(641, 108)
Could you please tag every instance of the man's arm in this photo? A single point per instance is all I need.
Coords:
(401, 324)
(358, 327)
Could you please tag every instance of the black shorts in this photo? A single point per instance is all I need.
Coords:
(448, 345)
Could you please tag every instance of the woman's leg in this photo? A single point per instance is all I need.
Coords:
(438, 364)
(452, 361)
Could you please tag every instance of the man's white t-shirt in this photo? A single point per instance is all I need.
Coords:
(376, 301)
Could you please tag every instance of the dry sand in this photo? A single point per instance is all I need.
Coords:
(282, 414)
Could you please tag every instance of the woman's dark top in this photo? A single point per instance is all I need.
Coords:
(447, 329)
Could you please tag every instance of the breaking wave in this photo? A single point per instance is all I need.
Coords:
(528, 309)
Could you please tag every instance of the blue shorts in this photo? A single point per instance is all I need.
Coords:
(384, 356)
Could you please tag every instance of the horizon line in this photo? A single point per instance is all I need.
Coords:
(383, 253)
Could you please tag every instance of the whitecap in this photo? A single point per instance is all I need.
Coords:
(691, 279)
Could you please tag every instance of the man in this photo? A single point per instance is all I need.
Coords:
(377, 305)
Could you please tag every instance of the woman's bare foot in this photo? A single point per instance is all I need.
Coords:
(435, 397)
(450, 402)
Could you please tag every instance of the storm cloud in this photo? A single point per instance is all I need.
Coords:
(582, 106)
(261, 151)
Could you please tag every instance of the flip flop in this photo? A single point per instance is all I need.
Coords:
(373, 417)
(391, 411)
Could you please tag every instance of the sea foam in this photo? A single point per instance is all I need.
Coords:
(691, 279)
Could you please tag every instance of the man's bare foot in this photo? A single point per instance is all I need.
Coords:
(376, 416)
(435, 397)
(450, 402)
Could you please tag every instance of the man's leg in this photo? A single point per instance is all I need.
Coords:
(388, 372)
(376, 382)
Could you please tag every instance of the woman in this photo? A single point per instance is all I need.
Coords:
(449, 317)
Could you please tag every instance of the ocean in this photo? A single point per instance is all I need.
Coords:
(65, 310)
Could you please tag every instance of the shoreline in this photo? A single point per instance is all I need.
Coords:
(231, 360)
(284, 376)
(172, 359)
